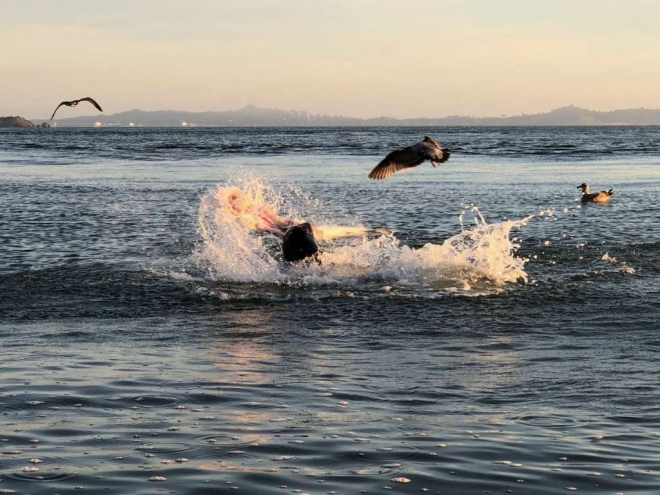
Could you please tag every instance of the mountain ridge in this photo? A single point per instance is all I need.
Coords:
(251, 116)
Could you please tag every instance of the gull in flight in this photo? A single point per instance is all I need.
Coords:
(74, 103)
(411, 156)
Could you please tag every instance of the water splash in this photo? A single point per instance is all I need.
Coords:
(231, 249)
(236, 222)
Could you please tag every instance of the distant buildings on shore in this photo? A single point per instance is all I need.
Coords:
(130, 124)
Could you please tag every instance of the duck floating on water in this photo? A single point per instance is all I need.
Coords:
(599, 197)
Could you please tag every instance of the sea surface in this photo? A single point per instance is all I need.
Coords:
(501, 338)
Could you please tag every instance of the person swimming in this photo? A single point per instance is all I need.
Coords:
(299, 238)
(299, 243)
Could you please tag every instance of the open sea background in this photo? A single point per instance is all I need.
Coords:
(135, 362)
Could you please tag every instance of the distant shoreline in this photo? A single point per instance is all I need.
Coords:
(252, 116)
(403, 126)
(340, 126)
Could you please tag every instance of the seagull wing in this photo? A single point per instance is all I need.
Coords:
(397, 160)
(91, 100)
(58, 106)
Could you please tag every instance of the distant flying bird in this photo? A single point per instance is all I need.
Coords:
(74, 103)
(599, 197)
(409, 157)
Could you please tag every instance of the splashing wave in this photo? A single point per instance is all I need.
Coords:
(236, 221)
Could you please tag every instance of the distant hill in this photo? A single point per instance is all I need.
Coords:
(15, 122)
(253, 116)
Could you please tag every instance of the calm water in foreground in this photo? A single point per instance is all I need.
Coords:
(151, 346)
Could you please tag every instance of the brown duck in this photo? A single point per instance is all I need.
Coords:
(598, 197)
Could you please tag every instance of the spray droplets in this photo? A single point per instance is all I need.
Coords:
(236, 223)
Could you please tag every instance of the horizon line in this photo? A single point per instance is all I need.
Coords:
(247, 107)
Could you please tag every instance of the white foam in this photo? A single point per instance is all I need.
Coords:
(232, 250)
(622, 265)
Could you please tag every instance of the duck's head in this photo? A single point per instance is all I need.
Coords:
(584, 186)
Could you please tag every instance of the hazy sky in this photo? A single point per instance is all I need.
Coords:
(362, 58)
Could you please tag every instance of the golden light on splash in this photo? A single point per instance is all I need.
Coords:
(249, 206)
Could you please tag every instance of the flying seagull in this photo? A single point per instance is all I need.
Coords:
(74, 103)
(599, 197)
(409, 157)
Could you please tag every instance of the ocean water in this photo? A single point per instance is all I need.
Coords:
(498, 338)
